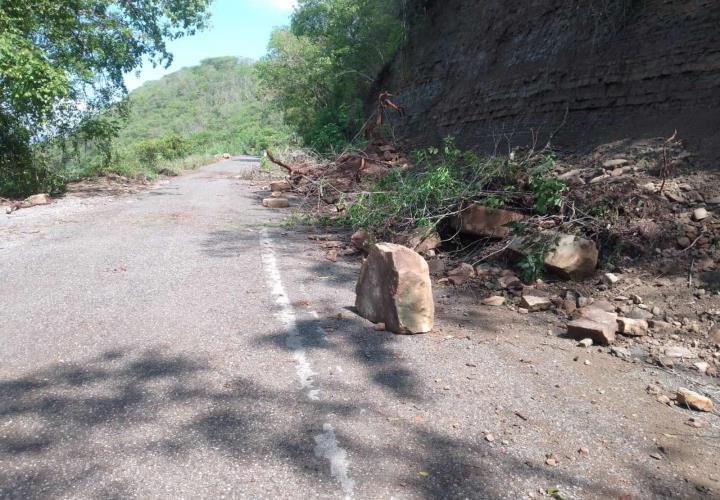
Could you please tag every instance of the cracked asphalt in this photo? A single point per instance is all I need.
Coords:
(180, 343)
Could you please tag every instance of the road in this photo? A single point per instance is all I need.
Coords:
(180, 343)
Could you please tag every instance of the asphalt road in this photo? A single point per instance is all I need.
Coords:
(179, 343)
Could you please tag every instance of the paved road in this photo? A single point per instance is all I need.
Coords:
(180, 344)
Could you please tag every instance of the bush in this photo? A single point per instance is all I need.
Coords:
(22, 173)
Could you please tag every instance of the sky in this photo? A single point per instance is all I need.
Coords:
(238, 28)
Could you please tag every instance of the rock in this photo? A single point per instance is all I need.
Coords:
(619, 162)
(701, 366)
(423, 240)
(620, 352)
(715, 335)
(632, 327)
(226, 156)
(585, 343)
(437, 266)
(637, 313)
(572, 258)
(280, 186)
(509, 281)
(534, 304)
(693, 400)
(662, 398)
(36, 199)
(569, 305)
(483, 221)
(459, 275)
(276, 203)
(684, 242)
(600, 333)
(394, 288)
(610, 279)
(494, 301)
(678, 352)
(361, 239)
(700, 214)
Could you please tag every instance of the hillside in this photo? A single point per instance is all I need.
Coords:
(213, 105)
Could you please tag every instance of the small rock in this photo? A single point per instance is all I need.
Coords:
(280, 186)
(551, 460)
(360, 239)
(620, 352)
(618, 162)
(585, 343)
(534, 304)
(379, 327)
(636, 299)
(700, 214)
(37, 199)
(489, 438)
(610, 279)
(657, 311)
(632, 327)
(494, 301)
(509, 281)
(587, 362)
(693, 400)
(276, 203)
(701, 366)
(459, 275)
(678, 352)
(584, 451)
(662, 398)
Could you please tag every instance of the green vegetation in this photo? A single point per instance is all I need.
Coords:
(198, 112)
(445, 178)
(319, 72)
(62, 64)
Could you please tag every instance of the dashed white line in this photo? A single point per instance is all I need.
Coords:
(326, 443)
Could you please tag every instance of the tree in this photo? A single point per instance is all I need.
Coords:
(62, 62)
(320, 70)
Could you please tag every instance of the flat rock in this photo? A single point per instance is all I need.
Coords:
(602, 333)
(678, 352)
(483, 221)
(494, 301)
(394, 288)
(276, 203)
(280, 186)
(693, 400)
(37, 199)
(534, 304)
(632, 327)
(700, 214)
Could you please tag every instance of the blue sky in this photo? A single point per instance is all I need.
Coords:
(238, 28)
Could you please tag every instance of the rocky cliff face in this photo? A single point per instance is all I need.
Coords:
(495, 73)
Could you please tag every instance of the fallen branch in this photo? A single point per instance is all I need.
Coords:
(278, 162)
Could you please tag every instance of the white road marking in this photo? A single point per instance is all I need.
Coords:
(326, 443)
(326, 446)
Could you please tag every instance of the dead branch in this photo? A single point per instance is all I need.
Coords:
(278, 162)
(665, 167)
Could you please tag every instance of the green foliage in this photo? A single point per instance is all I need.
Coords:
(320, 70)
(62, 64)
(547, 190)
(532, 266)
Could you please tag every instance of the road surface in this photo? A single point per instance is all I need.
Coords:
(180, 343)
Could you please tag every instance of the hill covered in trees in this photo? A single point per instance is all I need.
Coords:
(194, 114)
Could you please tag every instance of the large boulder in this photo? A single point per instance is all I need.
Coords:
(572, 257)
(566, 255)
(394, 288)
(483, 221)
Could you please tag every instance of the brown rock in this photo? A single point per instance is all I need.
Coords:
(360, 239)
(600, 333)
(535, 304)
(36, 199)
(276, 203)
(632, 327)
(280, 186)
(715, 335)
(394, 288)
(422, 240)
(461, 274)
(483, 221)
(494, 301)
(693, 400)
(572, 258)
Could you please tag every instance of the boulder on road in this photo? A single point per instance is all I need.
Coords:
(36, 199)
(483, 221)
(693, 400)
(276, 203)
(394, 288)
